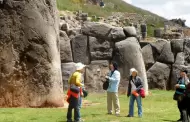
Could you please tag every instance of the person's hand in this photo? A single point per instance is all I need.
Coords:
(82, 95)
(177, 86)
(107, 77)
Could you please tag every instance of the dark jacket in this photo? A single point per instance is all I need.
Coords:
(138, 83)
(182, 84)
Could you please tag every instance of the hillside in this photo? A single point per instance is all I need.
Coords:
(112, 6)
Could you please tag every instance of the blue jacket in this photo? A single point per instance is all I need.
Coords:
(114, 81)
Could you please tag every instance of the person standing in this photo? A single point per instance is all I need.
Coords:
(135, 84)
(74, 93)
(112, 91)
(180, 91)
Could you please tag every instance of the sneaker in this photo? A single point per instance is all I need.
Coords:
(129, 116)
(109, 113)
(79, 120)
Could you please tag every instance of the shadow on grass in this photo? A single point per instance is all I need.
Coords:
(33, 119)
(169, 120)
(6, 113)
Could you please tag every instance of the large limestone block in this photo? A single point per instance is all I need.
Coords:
(100, 49)
(30, 70)
(80, 49)
(128, 54)
(95, 75)
(65, 48)
(158, 76)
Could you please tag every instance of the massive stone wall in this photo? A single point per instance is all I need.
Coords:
(98, 43)
(158, 62)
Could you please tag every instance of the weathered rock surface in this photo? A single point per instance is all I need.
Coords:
(187, 50)
(65, 48)
(67, 70)
(180, 59)
(166, 55)
(177, 45)
(128, 55)
(99, 30)
(148, 56)
(95, 75)
(80, 49)
(117, 34)
(158, 76)
(100, 49)
(130, 31)
(30, 72)
(158, 45)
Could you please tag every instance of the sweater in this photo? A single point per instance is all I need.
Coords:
(76, 79)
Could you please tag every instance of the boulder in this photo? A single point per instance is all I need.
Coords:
(95, 75)
(166, 55)
(130, 31)
(67, 70)
(117, 34)
(158, 33)
(30, 71)
(128, 55)
(158, 76)
(100, 49)
(148, 56)
(80, 49)
(158, 45)
(65, 48)
(73, 32)
(97, 29)
(180, 59)
(187, 50)
(177, 45)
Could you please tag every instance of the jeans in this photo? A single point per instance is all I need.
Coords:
(80, 105)
(73, 104)
(131, 105)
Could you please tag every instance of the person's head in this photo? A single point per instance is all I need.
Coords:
(183, 73)
(113, 66)
(80, 67)
(133, 72)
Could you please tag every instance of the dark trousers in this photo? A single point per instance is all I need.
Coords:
(73, 104)
(181, 106)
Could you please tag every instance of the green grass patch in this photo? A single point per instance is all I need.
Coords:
(159, 107)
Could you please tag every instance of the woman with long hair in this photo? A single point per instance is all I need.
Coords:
(112, 91)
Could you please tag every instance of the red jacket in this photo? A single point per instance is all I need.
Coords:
(70, 93)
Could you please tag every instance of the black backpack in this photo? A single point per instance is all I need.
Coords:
(106, 84)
